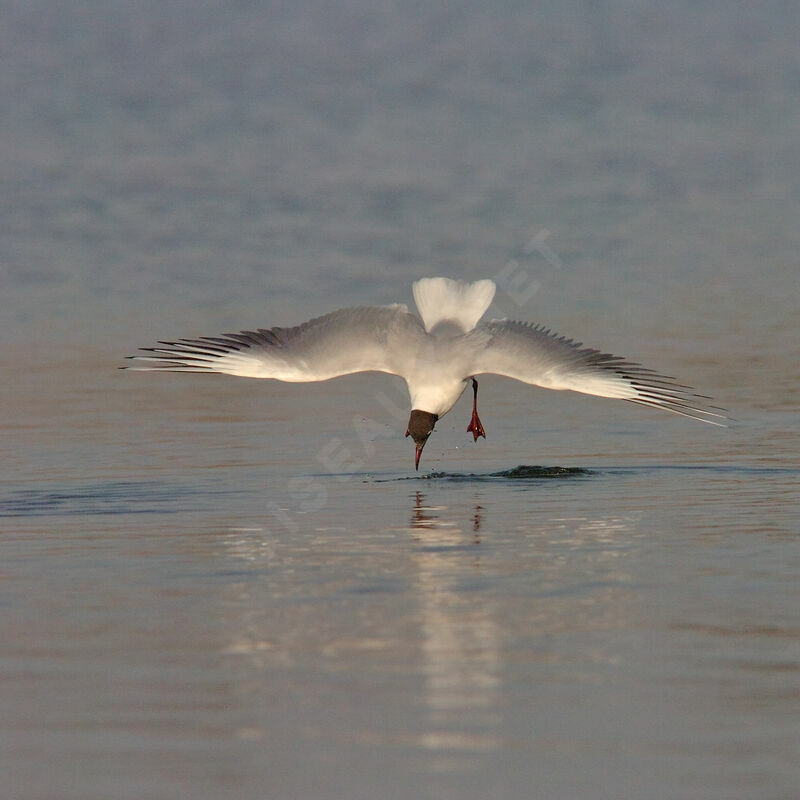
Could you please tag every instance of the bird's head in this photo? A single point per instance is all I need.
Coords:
(420, 427)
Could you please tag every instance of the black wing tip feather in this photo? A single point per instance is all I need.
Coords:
(199, 354)
(683, 410)
(679, 399)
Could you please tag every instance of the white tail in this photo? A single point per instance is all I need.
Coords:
(445, 300)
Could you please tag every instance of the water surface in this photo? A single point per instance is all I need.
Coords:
(220, 587)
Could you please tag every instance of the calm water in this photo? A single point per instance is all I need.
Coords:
(228, 588)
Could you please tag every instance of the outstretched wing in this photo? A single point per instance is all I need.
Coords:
(340, 343)
(533, 354)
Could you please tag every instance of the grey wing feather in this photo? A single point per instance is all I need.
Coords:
(342, 342)
(534, 354)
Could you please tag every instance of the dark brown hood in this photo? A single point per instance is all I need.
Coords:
(420, 427)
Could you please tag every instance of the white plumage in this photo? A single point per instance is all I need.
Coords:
(437, 354)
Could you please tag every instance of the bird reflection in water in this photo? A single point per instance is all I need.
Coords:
(422, 516)
(460, 638)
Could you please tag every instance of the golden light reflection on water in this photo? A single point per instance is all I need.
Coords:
(457, 636)
(461, 648)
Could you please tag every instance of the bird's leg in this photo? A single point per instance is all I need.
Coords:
(475, 427)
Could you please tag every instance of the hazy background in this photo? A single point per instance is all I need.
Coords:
(229, 588)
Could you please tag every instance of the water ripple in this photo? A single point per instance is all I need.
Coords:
(105, 497)
(524, 472)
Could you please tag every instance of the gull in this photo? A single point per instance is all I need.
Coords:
(437, 353)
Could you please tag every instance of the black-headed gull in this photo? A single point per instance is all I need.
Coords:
(437, 355)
